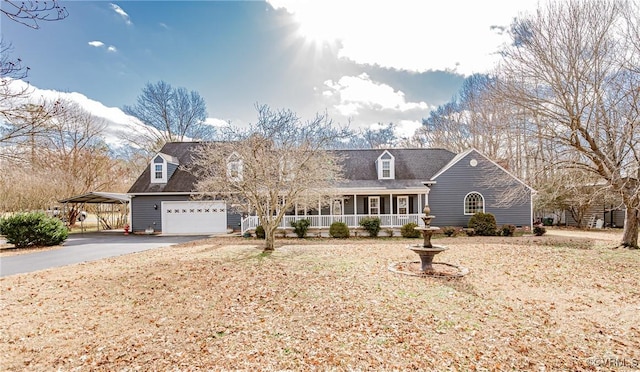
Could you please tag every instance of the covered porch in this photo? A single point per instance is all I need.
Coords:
(395, 209)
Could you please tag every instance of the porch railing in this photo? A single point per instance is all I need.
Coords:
(325, 221)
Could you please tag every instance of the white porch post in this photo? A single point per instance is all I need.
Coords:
(355, 204)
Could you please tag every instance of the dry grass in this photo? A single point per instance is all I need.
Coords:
(554, 303)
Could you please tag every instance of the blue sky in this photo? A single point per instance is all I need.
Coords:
(363, 62)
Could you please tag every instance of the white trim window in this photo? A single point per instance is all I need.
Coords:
(159, 170)
(403, 205)
(234, 167)
(287, 173)
(374, 205)
(337, 207)
(386, 166)
(473, 203)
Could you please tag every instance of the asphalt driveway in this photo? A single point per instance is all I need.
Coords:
(87, 247)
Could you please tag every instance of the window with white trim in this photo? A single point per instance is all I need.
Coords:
(336, 207)
(386, 169)
(403, 205)
(386, 166)
(286, 170)
(473, 203)
(374, 205)
(234, 167)
(158, 170)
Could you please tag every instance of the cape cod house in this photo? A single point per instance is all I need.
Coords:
(392, 184)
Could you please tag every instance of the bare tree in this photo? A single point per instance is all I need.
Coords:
(569, 69)
(70, 158)
(572, 190)
(23, 125)
(29, 13)
(170, 115)
(268, 169)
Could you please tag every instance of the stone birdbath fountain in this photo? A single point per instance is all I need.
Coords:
(427, 252)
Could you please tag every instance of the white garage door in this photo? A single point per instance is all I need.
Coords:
(194, 217)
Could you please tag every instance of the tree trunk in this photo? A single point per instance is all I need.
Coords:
(270, 239)
(631, 222)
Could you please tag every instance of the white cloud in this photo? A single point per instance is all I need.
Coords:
(355, 93)
(406, 128)
(100, 44)
(121, 12)
(412, 35)
(371, 104)
(118, 126)
(96, 43)
(214, 122)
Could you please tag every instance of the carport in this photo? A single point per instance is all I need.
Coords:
(111, 209)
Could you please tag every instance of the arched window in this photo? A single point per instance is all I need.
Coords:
(473, 203)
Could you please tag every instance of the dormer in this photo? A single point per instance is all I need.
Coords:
(385, 164)
(235, 167)
(162, 167)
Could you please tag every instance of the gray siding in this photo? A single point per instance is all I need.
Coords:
(171, 168)
(144, 215)
(613, 218)
(446, 197)
(233, 220)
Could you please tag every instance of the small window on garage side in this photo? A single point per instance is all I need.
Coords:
(473, 203)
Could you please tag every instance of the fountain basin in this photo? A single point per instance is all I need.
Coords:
(426, 255)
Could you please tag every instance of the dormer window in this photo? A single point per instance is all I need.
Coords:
(386, 166)
(287, 173)
(234, 167)
(159, 170)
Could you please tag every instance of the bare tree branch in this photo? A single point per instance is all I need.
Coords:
(29, 13)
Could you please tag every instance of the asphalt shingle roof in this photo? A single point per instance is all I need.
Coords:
(412, 167)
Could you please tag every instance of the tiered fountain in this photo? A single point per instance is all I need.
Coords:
(427, 251)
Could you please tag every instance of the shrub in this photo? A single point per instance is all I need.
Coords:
(260, 234)
(539, 230)
(408, 230)
(33, 229)
(339, 230)
(389, 232)
(300, 227)
(483, 224)
(508, 230)
(372, 225)
(449, 231)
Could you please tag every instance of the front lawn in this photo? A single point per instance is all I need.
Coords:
(528, 303)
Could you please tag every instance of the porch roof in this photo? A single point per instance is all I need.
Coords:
(382, 185)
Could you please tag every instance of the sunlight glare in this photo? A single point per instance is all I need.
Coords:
(315, 25)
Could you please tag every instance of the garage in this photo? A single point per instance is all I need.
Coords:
(194, 217)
